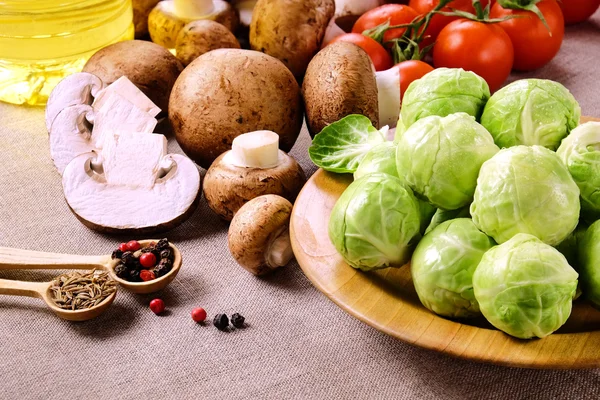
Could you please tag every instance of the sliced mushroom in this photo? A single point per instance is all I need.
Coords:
(170, 16)
(73, 90)
(202, 36)
(340, 80)
(254, 167)
(258, 237)
(133, 186)
(290, 30)
(80, 128)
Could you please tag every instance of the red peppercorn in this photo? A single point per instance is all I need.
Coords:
(148, 260)
(157, 306)
(123, 247)
(133, 245)
(147, 275)
(198, 314)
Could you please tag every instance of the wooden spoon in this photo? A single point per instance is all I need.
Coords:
(42, 290)
(26, 259)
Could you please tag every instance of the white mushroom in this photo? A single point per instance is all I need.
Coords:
(255, 166)
(133, 186)
(388, 95)
(81, 128)
(258, 237)
(73, 90)
(170, 16)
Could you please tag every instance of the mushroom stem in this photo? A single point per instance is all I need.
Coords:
(259, 149)
(280, 252)
(388, 96)
(192, 9)
(245, 8)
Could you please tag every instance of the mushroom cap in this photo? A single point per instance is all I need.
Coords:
(164, 24)
(201, 36)
(254, 229)
(152, 68)
(353, 7)
(339, 81)
(291, 31)
(227, 92)
(141, 9)
(131, 210)
(228, 187)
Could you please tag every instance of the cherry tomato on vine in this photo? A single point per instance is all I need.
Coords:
(381, 59)
(410, 71)
(438, 22)
(534, 45)
(475, 46)
(397, 14)
(576, 11)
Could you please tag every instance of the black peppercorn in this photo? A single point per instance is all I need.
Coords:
(149, 249)
(162, 245)
(134, 275)
(221, 322)
(161, 270)
(128, 259)
(116, 254)
(237, 320)
(165, 254)
(122, 271)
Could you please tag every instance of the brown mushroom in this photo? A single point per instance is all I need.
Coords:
(152, 68)
(340, 80)
(227, 92)
(290, 30)
(170, 16)
(202, 36)
(253, 168)
(258, 237)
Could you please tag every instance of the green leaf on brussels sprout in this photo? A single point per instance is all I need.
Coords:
(341, 146)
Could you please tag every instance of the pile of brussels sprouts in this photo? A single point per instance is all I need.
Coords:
(494, 198)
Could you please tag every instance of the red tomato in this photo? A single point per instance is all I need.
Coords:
(534, 45)
(397, 14)
(410, 71)
(378, 54)
(438, 22)
(475, 46)
(576, 11)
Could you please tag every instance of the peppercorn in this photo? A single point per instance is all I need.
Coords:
(221, 322)
(166, 254)
(148, 250)
(116, 254)
(134, 275)
(123, 247)
(198, 314)
(237, 320)
(161, 270)
(162, 245)
(147, 260)
(133, 245)
(121, 271)
(157, 306)
(128, 259)
(147, 275)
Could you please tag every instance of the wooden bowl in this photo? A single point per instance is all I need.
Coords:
(386, 299)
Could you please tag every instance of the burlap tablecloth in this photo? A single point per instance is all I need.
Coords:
(297, 345)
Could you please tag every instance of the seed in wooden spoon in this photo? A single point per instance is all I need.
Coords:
(77, 291)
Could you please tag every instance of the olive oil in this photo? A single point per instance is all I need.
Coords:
(42, 41)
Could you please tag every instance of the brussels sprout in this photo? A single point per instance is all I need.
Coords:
(442, 267)
(589, 263)
(570, 246)
(381, 158)
(525, 287)
(376, 222)
(442, 92)
(526, 189)
(440, 158)
(580, 151)
(529, 112)
(340, 147)
(442, 216)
